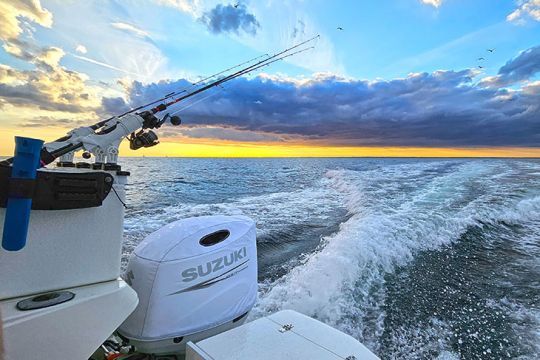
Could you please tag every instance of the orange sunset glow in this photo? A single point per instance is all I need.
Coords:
(222, 149)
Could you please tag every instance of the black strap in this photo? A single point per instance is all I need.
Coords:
(60, 190)
(21, 188)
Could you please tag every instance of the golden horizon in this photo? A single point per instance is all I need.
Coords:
(266, 150)
(209, 148)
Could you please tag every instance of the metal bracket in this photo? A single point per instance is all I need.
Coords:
(286, 327)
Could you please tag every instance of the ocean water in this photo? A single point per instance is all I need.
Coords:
(416, 258)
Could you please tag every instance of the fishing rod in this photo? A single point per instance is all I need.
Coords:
(100, 124)
(229, 69)
(163, 106)
(174, 93)
(243, 73)
(104, 144)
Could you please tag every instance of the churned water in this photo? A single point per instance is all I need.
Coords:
(416, 258)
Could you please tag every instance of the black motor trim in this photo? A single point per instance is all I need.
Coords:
(57, 190)
(214, 238)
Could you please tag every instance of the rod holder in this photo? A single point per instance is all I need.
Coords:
(23, 174)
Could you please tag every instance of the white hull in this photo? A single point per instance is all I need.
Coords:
(71, 330)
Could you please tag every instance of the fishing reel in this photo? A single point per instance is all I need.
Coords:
(174, 120)
(142, 139)
(152, 122)
(148, 138)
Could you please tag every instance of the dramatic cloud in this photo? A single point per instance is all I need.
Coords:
(521, 68)
(527, 9)
(9, 75)
(230, 18)
(15, 17)
(47, 121)
(113, 106)
(443, 108)
(49, 86)
(435, 3)
(12, 14)
(42, 93)
(221, 133)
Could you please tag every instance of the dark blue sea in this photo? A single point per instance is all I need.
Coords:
(416, 258)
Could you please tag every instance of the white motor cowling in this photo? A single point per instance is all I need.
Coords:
(194, 278)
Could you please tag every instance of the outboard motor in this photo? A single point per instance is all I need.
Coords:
(195, 278)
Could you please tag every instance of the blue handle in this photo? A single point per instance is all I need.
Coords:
(25, 165)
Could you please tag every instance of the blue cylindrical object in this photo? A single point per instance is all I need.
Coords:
(25, 164)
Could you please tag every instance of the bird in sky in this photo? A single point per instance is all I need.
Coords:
(481, 58)
(340, 28)
(480, 67)
(491, 50)
(236, 5)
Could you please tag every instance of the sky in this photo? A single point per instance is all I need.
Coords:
(385, 78)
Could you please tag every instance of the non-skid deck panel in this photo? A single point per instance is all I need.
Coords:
(264, 339)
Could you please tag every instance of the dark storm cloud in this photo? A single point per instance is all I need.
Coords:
(520, 68)
(46, 121)
(228, 18)
(221, 133)
(113, 106)
(443, 108)
(523, 66)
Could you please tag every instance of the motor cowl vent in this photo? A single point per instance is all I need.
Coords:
(191, 276)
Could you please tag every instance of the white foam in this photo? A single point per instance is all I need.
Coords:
(268, 210)
(387, 227)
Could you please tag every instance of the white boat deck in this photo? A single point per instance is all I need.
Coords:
(283, 335)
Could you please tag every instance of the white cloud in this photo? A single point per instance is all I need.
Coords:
(11, 13)
(278, 21)
(81, 49)
(46, 88)
(527, 9)
(11, 76)
(130, 29)
(14, 18)
(276, 32)
(435, 3)
(109, 66)
(193, 7)
(49, 86)
(120, 49)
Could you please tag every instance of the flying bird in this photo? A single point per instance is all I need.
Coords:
(236, 5)
(340, 28)
(480, 67)
(491, 50)
(481, 58)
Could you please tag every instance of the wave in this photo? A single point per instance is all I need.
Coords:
(330, 241)
(395, 212)
(281, 218)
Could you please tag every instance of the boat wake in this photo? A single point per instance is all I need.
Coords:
(395, 213)
(415, 258)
